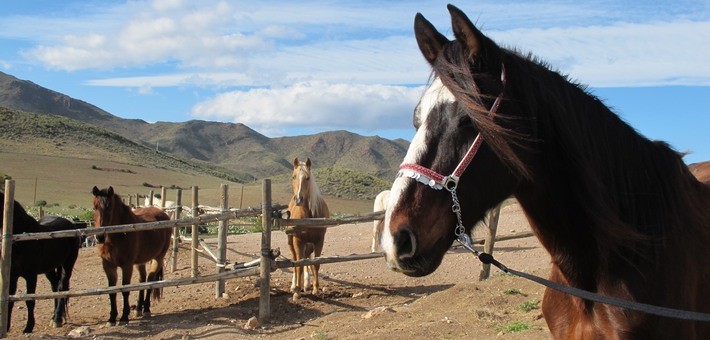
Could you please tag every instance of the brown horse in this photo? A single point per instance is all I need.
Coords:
(124, 250)
(307, 202)
(701, 171)
(619, 214)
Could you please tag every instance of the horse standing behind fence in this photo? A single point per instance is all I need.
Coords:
(377, 225)
(307, 202)
(619, 214)
(54, 258)
(125, 250)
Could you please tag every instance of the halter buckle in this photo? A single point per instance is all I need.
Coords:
(450, 182)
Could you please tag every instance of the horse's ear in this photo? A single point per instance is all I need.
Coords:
(109, 192)
(430, 41)
(464, 30)
(308, 162)
(295, 162)
(95, 191)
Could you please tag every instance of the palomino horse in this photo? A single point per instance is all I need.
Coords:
(125, 250)
(619, 214)
(54, 258)
(307, 202)
(377, 225)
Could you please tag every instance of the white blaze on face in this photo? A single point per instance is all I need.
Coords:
(436, 94)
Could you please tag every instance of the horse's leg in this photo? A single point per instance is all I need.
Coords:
(141, 293)
(112, 276)
(64, 273)
(307, 270)
(53, 277)
(126, 273)
(31, 281)
(293, 258)
(10, 304)
(151, 277)
(318, 249)
(299, 248)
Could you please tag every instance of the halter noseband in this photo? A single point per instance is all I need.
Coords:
(438, 181)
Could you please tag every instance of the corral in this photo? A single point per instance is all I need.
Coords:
(350, 291)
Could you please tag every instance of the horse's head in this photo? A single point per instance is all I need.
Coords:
(458, 108)
(301, 181)
(106, 206)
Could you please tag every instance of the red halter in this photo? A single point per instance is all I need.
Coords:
(438, 181)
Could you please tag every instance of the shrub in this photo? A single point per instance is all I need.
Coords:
(40, 203)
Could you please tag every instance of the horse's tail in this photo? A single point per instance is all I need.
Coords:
(158, 292)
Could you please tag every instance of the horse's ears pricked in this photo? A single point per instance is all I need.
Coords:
(430, 41)
(95, 191)
(295, 162)
(308, 162)
(109, 192)
(464, 30)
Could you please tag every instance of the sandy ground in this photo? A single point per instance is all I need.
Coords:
(360, 300)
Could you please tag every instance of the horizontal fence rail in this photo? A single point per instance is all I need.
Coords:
(140, 286)
(123, 228)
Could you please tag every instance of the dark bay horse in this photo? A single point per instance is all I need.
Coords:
(54, 258)
(307, 202)
(125, 250)
(620, 215)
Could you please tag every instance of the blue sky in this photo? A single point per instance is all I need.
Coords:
(292, 67)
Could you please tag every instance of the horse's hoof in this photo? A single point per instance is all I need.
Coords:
(111, 323)
(296, 296)
(122, 322)
(139, 313)
(147, 314)
(55, 324)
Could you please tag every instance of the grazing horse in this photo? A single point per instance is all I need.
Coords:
(377, 225)
(620, 215)
(307, 202)
(125, 250)
(54, 258)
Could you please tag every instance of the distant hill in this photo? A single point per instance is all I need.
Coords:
(25, 132)
(232, 146)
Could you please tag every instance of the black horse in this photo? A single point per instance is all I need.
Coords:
(54, 258)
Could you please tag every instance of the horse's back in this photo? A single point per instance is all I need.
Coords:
(701, 171)
(152, 243)
(51, 253)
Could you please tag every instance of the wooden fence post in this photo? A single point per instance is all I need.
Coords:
(265, 268)
(6, 255)
(150, 199)
(222, 239)
(195, 229)
(176, 230)
(163, 197)
(490, 241)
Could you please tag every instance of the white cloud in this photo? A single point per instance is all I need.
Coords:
(315, 105)
(666, 53)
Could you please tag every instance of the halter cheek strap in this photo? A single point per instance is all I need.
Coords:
(438, 181)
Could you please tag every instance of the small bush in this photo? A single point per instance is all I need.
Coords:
(94, 167)
(513, 291)
(528, 306)
(146, 184)
(40, 203)
(512, 327)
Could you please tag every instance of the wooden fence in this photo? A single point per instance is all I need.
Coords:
(266, 263)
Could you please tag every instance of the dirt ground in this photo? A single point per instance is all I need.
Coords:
(360, 300)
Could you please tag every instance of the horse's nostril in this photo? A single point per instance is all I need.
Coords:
(406, 243)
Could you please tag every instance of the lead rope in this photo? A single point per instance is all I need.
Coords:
(465, 240)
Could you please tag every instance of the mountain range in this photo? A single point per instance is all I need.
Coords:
(232, 146)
